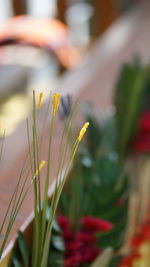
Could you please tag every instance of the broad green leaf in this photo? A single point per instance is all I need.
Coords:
(55, 259)
(15, 261)
(128, 103)
(56, 227)
(115, 261)
(94, 131)
(23, 249)
(114, 237)
(57, 242)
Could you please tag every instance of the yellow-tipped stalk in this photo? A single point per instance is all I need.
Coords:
(83, 130)
(40, 100)
(60, 182)
(42, 227)
(43, 162)
(56, 101)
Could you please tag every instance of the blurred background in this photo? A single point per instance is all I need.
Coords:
(81, 45)
(40, 40)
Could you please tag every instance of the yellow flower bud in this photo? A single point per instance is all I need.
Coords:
(56, 101)
(40, 100)
(83, 130)
(86, 125)
(43, 162)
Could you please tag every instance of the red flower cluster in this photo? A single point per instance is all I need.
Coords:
(81, 246)
(95, 225)
(142, 236)
(141, 143)
(128, 260)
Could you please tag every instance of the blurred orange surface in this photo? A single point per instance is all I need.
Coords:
(50, 34)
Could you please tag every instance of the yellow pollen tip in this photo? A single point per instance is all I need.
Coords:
(43, 162)
(83, 130)
(40, 100)
(56, 101)
(86, 125)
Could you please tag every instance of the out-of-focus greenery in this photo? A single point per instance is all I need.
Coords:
(99, 185)
(131, 97)
(22, 251)
(95, 188)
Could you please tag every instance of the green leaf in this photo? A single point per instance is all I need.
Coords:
(114, 237)
(56, 227)
(128, 103)
(23, 249)
(116, 213)
(108, 170)
(15, 262)
(94, 131)
(109, 137)
(115, 261)
(57, 242)
(55, 259)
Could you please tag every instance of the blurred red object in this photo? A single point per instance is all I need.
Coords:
(142, 236)
(49, 34)
(80, 246)
(95, 225)
(141, 143)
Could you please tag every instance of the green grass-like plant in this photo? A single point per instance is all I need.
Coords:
(42, 229)
(20, 191)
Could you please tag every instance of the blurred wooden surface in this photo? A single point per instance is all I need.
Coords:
(61, 10)
(105, 12)
(94, 81)
(19, 7)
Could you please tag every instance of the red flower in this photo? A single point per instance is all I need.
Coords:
(137, 241)
(128, 260)
(86, 238)
(85, 254)
(80, 240)
(89, 254)
(81, 245)
(68, 235)
(74, 246)
(63, 222)
(95, 225)
(141, 143)
(143, 234)
(146, 232)
(73, 260)
(144, 123)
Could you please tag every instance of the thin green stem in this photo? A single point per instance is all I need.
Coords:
(13, 197)
(45, 202)
(54, 207)
(36, 213)
(12, 220)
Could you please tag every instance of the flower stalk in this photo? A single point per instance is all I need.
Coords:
(42, 228)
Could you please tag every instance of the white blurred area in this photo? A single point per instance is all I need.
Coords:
(78, 14)
(5, 10)
(28, 68)
(39, 8)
